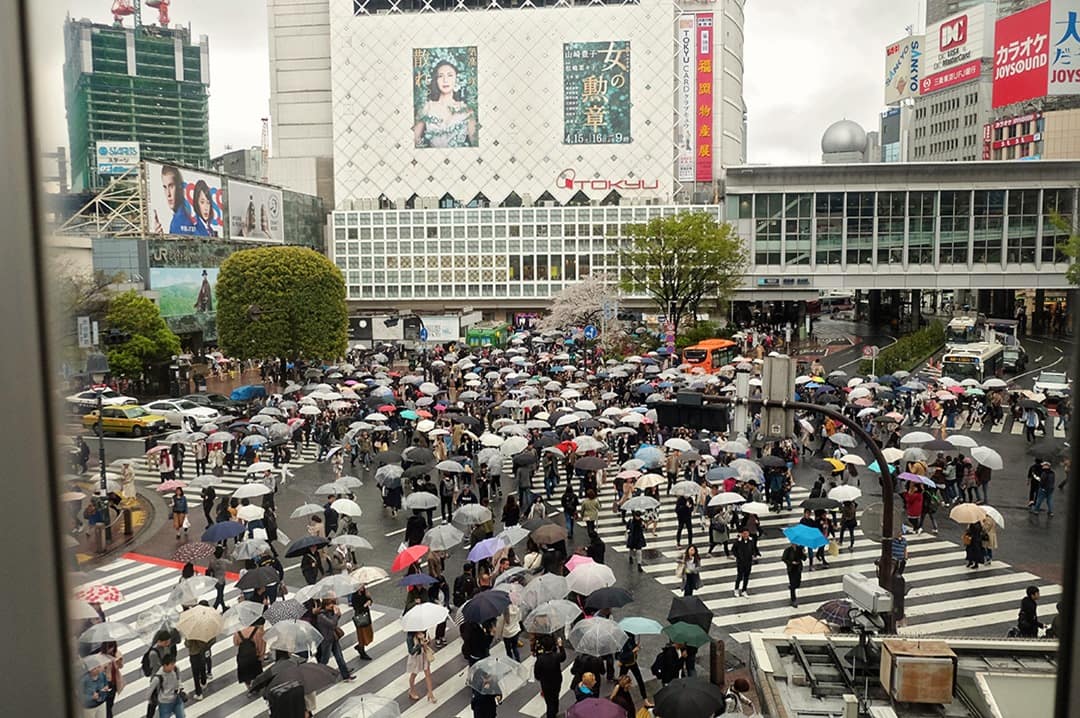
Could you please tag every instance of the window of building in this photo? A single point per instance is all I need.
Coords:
(798, 209)
(890, 227)
(989, 212)
(955, 226)
(1057, 219)
(829, 210)
(768, 214)
(1023, 226)
(860, 227)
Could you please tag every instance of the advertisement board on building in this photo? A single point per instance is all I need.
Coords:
(184, 202)
(184, 290)
(445, 97)
(687, 69)
(255, 212)
(596, 93)
(956, 47)
(1064, 70)
(1021, 55)
(987, 143)
(445, 328)
(116, 158)
(903, 60)
(704, 23)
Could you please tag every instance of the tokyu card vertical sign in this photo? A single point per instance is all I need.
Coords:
(687, 131)
(1021, 55)
(704, 22)
(1064, 71)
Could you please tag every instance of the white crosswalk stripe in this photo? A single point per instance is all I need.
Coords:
(229, 480)
(942, 596)
(145, 585)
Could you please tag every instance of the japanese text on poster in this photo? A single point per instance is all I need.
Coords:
(596, 93)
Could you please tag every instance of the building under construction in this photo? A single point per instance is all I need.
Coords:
(147, 84)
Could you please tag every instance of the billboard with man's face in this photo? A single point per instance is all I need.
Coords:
(184, 202)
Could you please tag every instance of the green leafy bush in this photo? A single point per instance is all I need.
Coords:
(908, 351)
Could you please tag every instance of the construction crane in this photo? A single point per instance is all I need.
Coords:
(121, 9)
(162, 6)
(265, 146)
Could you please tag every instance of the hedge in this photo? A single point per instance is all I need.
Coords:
(908, 351)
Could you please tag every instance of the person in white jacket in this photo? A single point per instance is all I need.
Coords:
(508, 627)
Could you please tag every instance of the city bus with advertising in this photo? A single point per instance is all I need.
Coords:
(979, 361)
(964, 329)
(710, 354)
(494, 335)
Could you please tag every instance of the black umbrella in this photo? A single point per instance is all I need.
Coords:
(470, 421)
(772, 462)
(258, 578)
(886, 420)
(839, 381)
(485, 606)
(610, 597)
(419, 455)
(388, 457)
(534, 523)
(1032, 404)
(302, 544)
(312, 676)
(938, 445)
(821, 465)
(820, 503)
(525, 458)
(590, 463)
(689, 698)
(690, 609)
(837, 612)
(415, 472)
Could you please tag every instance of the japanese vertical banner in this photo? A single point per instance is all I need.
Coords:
(687, 133)
(1021, 55)
(704, 96)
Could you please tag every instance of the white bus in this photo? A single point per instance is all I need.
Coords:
(979, 361)
(964, 330)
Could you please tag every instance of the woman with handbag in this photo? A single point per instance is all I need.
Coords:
(690, 570)
(327, 616)
(114, 674)
(419, 661)
(179, 509)
(365, 632)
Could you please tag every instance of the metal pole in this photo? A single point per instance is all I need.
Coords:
(101, 466)
(888, 491)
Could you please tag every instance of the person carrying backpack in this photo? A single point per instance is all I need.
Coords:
(166, 692)
(464, 585)
(666, 664)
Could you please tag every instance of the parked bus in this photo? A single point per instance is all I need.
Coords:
(979, 361)
(710, 354)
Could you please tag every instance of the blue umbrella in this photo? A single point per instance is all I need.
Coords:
(645, 389)
(409, 414)
(807, 536)
(641, 626)
(222, 531)
(873, 466)
(417, 579)
(651, 455)
(486, 548)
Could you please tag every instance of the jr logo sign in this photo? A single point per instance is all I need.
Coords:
(953, 33)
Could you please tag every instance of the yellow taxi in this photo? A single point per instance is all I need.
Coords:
(126, 419)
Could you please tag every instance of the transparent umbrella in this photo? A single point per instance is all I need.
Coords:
(241, 615)
(293, 636)
(252, 548)
(471, 515)
(443, 538)
(368, 705)
(108, 631)
(496, 676)
(550, 616)
(190, 590)
(547, 587)
(597, 636)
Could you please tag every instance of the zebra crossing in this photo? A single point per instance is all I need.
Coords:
(1007, 426)
(942, 596)
(147, 584)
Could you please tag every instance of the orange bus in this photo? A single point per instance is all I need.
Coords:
(710, 354)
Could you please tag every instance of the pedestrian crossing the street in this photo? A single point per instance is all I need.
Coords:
(146, 584)
(230, 480)
(942, 596)
(968, 424)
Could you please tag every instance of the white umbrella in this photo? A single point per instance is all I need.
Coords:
(489, 439)
(689, 489)
(754, 507)
(988, 458)
(310, 411)
(351, 541)
(916, 437)
(892, 454)
(514, 445)
(423, 617)
(961, 442)
(443, 537)
(845, 493)
(249, 491)
(677, 444)
(994, 383)
(306, 510)
(367, 575)
(259, 467)
(994, 515)
(421, 500)
(640, 503)
(450, 467)
(347, 507)
(853, 459)
(250, 512)
(727, 498)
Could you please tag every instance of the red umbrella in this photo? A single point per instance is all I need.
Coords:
(423, 414)
(408, 557)
(388, 408)
(99, 593)
(566, 447)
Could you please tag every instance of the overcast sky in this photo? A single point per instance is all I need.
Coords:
(808, 63)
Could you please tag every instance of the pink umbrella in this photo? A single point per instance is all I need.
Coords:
(159, 447)
(957, 389)
(577, 560)
(99, 593)
(631, 475)
(171, 485)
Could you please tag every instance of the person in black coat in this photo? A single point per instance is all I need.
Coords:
(484, 705)
(973, 541)
(330, 517)
(548, 672)
(596, 548)
(666, 664)
(1028, 620)
(587, 664)
(415, 528)
(743, 550)
(793, 558)
(684, 514)
(635, 538)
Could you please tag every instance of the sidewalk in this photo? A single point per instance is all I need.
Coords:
(86, 546)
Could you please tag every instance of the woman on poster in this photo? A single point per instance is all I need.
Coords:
(445, 120)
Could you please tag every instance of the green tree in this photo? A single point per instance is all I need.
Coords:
(1070, 247)
(150, 342)
(281, 302)
(681, 262)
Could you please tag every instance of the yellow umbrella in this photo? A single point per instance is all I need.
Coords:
(836, 464)
(804, 625)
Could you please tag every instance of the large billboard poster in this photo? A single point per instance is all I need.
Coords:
(255, 212)
(1021, 55)
(704, 96)
(445, 97)
(956, 47)
(687, 70)
(184, 202)
(596, 93)
(903, 60)
(116, 158)
(184, 290)
(1064, 76)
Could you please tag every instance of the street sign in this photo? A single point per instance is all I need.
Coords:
(591, 332)
(83, 327)
(609, 309)
(870, 351)
(423, 334)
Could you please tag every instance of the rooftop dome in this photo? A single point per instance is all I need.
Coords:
(843, 136)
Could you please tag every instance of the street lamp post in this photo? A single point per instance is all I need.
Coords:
(97, 366)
